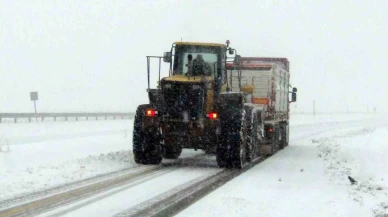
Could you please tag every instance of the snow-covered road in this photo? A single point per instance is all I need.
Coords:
(308, 178)
(128, 196)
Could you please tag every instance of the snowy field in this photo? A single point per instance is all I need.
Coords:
(321, 119)
(40, 155)
(308, 178)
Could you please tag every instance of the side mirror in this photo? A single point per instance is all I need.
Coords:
(231, 51)
(293, 97)
(294, 90)
(167, 57)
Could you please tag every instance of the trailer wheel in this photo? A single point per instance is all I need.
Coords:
(172, 152)
(287, 135)
(275, 141)
(282, 133)
(146, 146)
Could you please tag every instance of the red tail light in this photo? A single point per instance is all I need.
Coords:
(151, 113)
(212, 115)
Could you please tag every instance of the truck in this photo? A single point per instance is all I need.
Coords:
(198, 106)
(265, 82)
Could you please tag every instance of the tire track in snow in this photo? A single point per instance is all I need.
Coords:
(39, 202)
(175, 200)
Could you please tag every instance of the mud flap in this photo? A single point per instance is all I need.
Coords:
(272, 146)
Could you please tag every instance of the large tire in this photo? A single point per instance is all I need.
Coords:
(275, 141)
(231, 152)
(231, 147)
(239, 146)
(251, 119)
(284, 136)
(172, 152)
(282, 141)
(146, 145)
(287, 134)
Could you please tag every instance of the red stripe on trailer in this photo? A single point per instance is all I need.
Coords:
(269, 59)
(249, 66)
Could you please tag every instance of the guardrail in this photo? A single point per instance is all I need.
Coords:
(42, 116)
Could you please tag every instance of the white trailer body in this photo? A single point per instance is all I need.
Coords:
(270, 82)
(265, 83)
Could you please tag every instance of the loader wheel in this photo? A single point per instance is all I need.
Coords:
(231, 152)
(146, 146)
(251, 119)
(172, 152)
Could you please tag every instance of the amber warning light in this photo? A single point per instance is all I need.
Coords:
(212, 115)
(151, 113)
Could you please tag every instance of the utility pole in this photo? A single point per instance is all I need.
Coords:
(35, 105)
(314, 108)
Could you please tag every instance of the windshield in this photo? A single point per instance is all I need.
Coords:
(196, 60)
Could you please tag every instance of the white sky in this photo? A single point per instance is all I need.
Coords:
(90, 55)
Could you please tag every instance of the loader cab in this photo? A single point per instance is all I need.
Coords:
(211, 55)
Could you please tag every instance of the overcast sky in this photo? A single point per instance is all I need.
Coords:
(90, 55)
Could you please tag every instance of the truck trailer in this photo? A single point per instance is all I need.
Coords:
(265, 82)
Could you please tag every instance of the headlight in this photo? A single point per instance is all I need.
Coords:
(196, 86)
